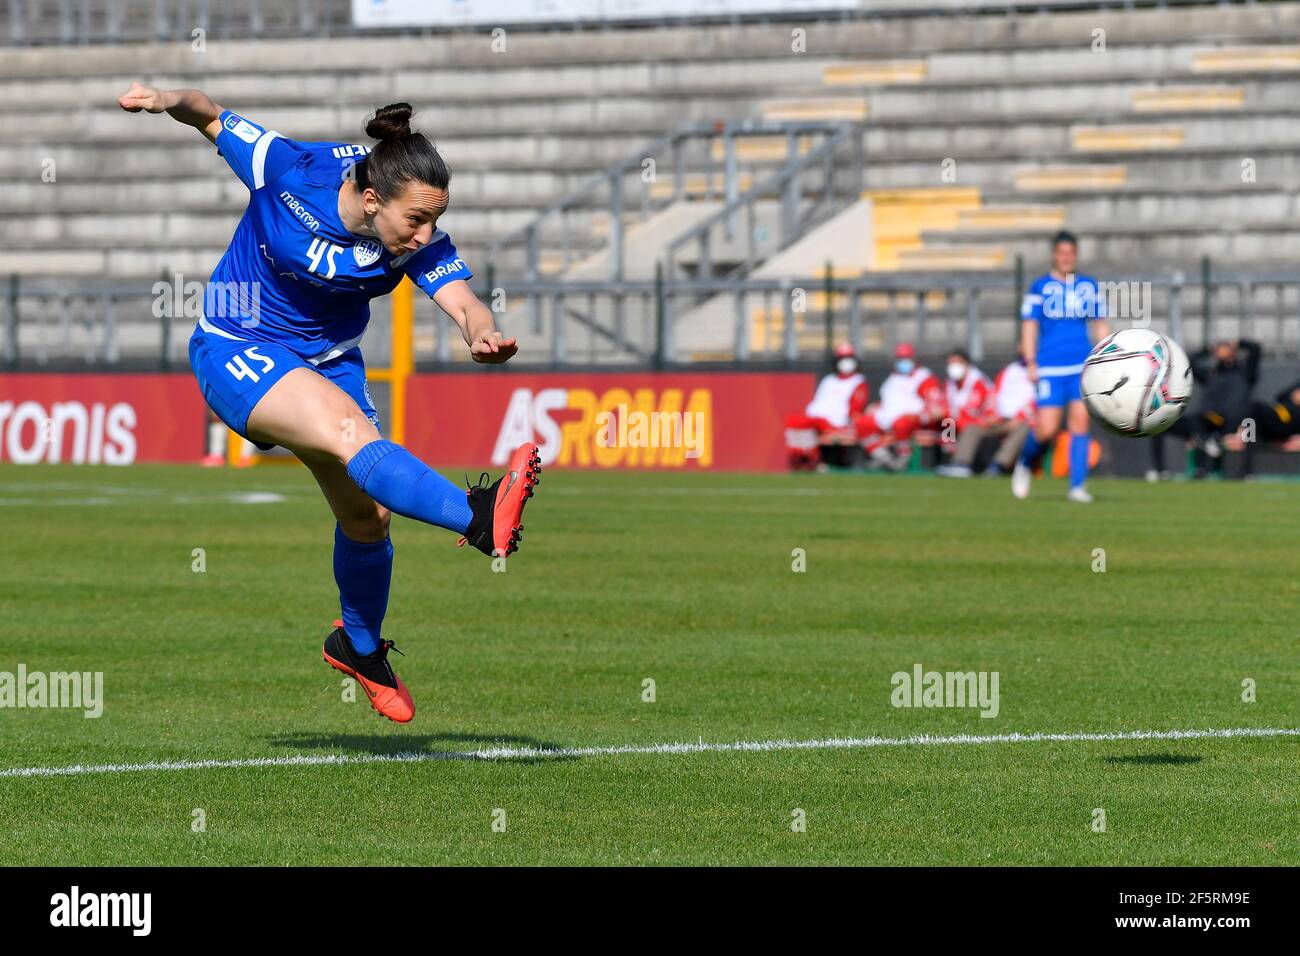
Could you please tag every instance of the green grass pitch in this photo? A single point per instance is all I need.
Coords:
(687, 580)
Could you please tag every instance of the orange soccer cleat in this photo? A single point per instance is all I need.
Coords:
(387, 693)
(498, 508)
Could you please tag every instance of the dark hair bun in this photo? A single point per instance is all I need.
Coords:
(390, 122)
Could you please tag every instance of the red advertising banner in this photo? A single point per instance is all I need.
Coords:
(100, 419)
(707, 421)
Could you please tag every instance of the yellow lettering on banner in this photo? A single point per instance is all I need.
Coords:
(609, 456)
(576, 436)
(640, 453)
(699, 410)
(669, 434)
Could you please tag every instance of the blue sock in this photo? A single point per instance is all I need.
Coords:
(402, 483)
(1031, 452)
(1078, 460)
(363, 572)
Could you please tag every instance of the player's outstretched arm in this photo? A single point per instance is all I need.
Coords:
(191, 107)
(1029, 346)
(486, 344)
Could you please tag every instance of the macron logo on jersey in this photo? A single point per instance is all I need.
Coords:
(299, 210)
(444, 270)
(346, 152)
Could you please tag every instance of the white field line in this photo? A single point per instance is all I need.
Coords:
(561, 753)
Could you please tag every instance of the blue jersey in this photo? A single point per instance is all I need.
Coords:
(1062, 311)
(293, 274)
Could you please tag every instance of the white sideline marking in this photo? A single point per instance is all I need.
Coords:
(106, 495)
(740, 746)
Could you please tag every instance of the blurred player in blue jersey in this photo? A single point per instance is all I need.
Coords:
(1054, 341)
(330, 226)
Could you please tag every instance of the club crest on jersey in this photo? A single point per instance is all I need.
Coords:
(366, 252)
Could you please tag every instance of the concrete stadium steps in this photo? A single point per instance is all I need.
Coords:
(644, 241)
(481, 154)
(271, 95)
(1276, 167)
(944, 256)
(1023, 216)
(641, 115)
(899, 217)
(1065, 137)
(642, 250)
(1178, 206)
(869, 73)
(185, 229)
(879, 37)
(845, 242)
(1110, 99)
(821, 109)
(1072, 177)
(1188, 98)
(1270, 243)
(761, 149)
(725, 252)
(379, 84)
(698, 185)
(1040, 91)
(480, 163)
(1175, 101)
(1251, 59)
(149, 256)
(527, 192)
(1129, 137)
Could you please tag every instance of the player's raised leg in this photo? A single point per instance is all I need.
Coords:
(317, 420)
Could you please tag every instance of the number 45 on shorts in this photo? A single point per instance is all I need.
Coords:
(240, 368)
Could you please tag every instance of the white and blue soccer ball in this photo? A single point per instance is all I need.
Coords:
(1136, 382)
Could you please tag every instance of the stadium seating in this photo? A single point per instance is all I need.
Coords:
(1176, 141)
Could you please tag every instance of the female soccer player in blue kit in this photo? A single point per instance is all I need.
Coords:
(330, 226)
(1054, 342)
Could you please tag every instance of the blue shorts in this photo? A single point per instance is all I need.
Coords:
(1057, 391)
(234, 375)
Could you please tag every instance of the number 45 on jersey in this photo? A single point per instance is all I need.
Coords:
(240, 368)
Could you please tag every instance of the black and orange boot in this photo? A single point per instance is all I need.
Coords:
(387, 693)
(496, 528)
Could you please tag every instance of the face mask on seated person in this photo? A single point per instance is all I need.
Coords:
(904, 366)
(956, 371)
(846, 365)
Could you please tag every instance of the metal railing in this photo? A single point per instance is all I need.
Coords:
(49, 324)
(795, 320)
(704, 162)
(789, 184)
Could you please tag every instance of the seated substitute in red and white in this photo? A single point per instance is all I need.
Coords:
(840, 398)
(1009, 415)
(967, 391)
(910, 398)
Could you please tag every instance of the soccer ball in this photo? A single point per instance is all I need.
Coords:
(1136, 382)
